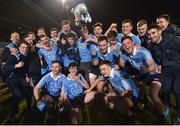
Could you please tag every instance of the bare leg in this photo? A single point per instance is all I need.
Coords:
(100, 86)
(92, 78)
(155, 91)
(122, 105)
(89, 97)
(73, 114)
(47, 99)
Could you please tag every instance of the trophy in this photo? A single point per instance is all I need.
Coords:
(81, 11)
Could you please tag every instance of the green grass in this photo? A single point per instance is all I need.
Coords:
(93, 113)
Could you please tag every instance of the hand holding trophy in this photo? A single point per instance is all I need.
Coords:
(81, 13)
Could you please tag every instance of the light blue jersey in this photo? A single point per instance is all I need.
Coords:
(135, 39)
(11, 45)
(139, 57)
(52, 85)
(73, 88)
(84, 50)
(121, 81)
(70, 55)
(50, 55)
(93, 45)
(110, 56)
(118, 51)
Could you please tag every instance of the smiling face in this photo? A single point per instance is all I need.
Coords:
(105, 70)
(32, 36)
(162, 23)
(56, 67)
(53, 34)
(128, 45)
(112, 40)
(29, 40)
(73, 70)
(45, 41)
(71, 40)
(103, 46)
(15, 37)
(23, 48)
(40, 32)
(126, 28)
(142, 30)
(97, 31)
(66, 28)
(154, 35)
(85, 29)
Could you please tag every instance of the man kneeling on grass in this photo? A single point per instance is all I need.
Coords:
(51, 84)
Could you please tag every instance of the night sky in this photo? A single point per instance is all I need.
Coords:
(24, 15)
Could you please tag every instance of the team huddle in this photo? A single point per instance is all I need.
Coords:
(69, 68)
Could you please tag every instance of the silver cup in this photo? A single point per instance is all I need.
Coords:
(82, 11)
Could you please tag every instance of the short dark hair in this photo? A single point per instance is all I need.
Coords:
(14, 32)
(73, 64)
(69, 35)
(126, 37)
(40, 28)
(53, 29)
(84, 25)
(165, 16)
(112, 33)
(102, 38)
(42, 36)
(56, 61)
(26, 35)
(153, 26)
(23, 42)
(105, 62)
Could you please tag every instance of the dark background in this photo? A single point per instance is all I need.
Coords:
(24, 15)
